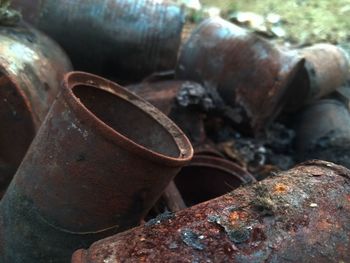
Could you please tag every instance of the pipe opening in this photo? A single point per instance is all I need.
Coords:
(127, 119)
(201, 183)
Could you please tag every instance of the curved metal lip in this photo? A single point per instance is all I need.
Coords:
(75, 78)
(28, 104)
(222, 165)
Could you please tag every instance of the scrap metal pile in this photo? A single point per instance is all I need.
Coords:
(190, 161)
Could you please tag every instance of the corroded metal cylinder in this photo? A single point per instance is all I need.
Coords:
(301, 215)
(249, 73)
(207, 177)
(323, 132)
(117, 38)
(161, 94)
(99, 162)
(31, 70)
(164, 95)
(326, 69)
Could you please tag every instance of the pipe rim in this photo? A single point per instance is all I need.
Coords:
(76, 78)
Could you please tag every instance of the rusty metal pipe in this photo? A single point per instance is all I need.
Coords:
(173, 198)
(326, 69)
(323, 132)
(249, 73)
(31, 70)
(124, 39)
(301, 215)
(99, 162)
(161, 94)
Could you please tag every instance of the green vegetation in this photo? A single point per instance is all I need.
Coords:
(305, 21)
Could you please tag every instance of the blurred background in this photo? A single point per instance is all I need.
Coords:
(298, 22)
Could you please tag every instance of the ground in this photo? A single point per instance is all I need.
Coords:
(305, 21)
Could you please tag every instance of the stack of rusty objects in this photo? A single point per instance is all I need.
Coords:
(191, 160)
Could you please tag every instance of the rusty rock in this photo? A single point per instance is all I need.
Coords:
(302, 215)
(323, 132)
(31, 70)
(99, 162)
(249, 73)
(326, 69)
(207, 177)
(117, 40)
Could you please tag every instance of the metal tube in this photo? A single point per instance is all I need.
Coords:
(31, 70)
(123, 39)
(250, 74)
(301, 215)
(99, 162)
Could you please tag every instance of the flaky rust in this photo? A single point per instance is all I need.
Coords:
(96, 167)
(304, 218)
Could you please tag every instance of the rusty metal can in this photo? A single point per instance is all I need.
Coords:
(165, 96)
(116, 38)
(323, 132)
(302, 215)
(326, 69)
(161, 94)
(31, 70)
(208, 177)
(99, 162)
(249, 73)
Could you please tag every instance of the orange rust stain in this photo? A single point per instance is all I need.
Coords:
(324, 225)
(280, 188)
(348, 198)
(237, 216)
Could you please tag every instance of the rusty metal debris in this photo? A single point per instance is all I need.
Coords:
(91, 171)
(31, 70)
(117, 40)
(249, 73)
(301, 215)
(104, 160)
(326, 69)
(323, 132)
(162, 94)
(182, 101)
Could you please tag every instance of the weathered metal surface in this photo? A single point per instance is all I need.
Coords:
(323, 132)
(249, 73)
(31, 70)
(99, 162)
(326, 69)
(164, 95)
(121, 38)
(161, 94)
(208, 149)
(173, 198)
(301, 215)
(207, 177)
